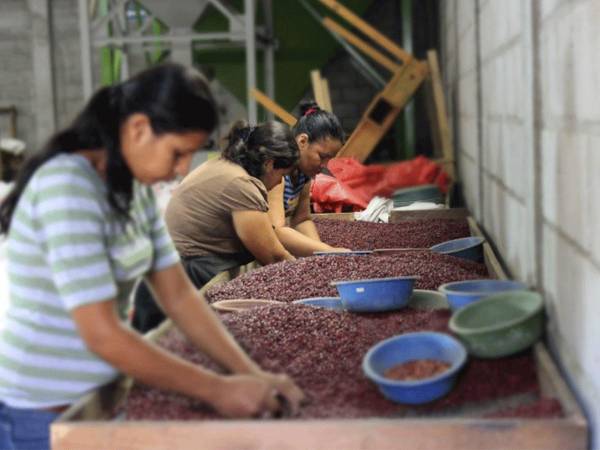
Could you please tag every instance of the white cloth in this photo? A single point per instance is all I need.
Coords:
(378, 210)
(416, 206)
(11, 145)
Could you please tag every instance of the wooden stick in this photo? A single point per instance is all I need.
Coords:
(361, 45)
(441, 118)
(269, 104)
(368, 30)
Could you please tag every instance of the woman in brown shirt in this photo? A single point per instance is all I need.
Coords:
(218, 215)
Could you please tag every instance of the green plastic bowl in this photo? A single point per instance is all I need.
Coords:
(501, 324)
(426, 299)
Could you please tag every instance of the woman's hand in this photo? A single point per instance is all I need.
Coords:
(241, 396)
(283, 386)
(249, 395)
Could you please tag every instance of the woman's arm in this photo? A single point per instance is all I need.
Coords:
(200, 324)
(295, 240)
(105, 335)
(255, 230)
(301, 219)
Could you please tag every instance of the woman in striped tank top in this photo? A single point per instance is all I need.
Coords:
(82, 229)
(319, 136)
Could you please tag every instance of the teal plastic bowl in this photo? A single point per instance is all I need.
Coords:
(467, 248)
(422, 193)
(500, 325)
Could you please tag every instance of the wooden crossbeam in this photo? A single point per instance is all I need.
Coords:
(368, 30)
(270, 105)
(370, 51)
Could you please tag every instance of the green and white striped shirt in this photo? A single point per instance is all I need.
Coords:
(67, 248)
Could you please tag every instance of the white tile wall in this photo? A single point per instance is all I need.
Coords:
(569, 173)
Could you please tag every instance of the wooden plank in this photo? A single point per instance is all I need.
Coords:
(369, 30)
(490, 259)
(375, 434)
(552, 384)
(449, 213)
(441, 114)
(269, 104)
(383, 110)
(361, 45)
(315, 79)
(347, 217)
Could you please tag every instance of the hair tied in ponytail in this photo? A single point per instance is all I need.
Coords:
(246, 133)
(310, 111)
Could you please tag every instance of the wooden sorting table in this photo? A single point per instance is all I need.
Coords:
(88, 424)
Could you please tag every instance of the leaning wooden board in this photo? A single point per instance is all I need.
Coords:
(88, 424)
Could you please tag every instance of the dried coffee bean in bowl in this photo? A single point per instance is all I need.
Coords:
(409, 347)
(417, 369)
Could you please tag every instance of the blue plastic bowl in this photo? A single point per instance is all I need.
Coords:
(409, 347)
(322, 302)
(462, 293)
(379, 294)
(467, 248)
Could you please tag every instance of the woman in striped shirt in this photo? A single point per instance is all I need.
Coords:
(83, 228)
(319, 136)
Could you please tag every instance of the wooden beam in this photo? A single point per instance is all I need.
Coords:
(269, 104)
(441, 114)
(361, 45)
(383, 110)
(369, 31)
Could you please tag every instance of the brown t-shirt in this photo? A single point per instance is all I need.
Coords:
(199, 214)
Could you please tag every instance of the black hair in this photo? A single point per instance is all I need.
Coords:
(176, 99)
(318, 124)
(250, 147)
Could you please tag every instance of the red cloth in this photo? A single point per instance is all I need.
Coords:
(355, 184)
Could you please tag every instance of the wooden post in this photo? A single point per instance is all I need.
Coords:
(441, 129)
(326, 95)
(320, 90)
(12, 112)
(315, 80)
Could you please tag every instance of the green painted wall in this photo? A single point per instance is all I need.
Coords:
(303, 45)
